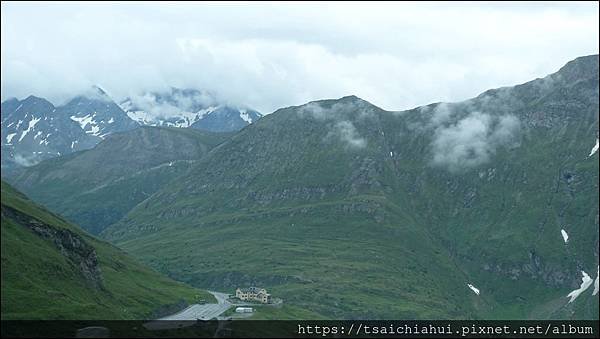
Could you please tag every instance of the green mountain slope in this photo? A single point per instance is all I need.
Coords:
(351, 211)
(53, 270)
(95, 188)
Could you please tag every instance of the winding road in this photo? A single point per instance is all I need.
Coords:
(203, 312)
(193, 312)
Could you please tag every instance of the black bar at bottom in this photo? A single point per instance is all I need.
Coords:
(300, 329)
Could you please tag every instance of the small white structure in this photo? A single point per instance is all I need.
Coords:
(243, 310)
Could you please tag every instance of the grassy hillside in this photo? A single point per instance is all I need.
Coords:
(42, 277)
(350, 211)
(96, 187)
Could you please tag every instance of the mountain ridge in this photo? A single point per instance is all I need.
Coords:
(87, 118)
(124, 159)
(352, 211)
(452, 175)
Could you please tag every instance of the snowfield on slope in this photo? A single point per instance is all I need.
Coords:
(586, 282)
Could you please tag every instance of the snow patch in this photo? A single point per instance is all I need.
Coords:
(140, 116)
(180, 119)
(95, 130)
(586, 281)
(203, 112)
(595, 149)
(564, 235)
(245, 116)
(111, 120)
(473, 288)
(88, 120)
(31, 126)
(10, 137)
(83, 121)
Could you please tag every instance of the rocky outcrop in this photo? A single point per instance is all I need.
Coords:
(535, 268)
(70, 244)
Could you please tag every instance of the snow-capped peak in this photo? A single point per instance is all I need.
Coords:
(245, 116)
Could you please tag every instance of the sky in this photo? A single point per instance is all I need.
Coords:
(272, 55)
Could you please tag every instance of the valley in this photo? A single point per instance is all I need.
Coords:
(349, 211)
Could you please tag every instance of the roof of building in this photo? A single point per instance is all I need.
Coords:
(251, 289)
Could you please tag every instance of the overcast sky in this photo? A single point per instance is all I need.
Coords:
(268, 56)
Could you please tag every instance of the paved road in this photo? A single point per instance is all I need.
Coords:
(203, 312)
(221, 297)
(193, 312)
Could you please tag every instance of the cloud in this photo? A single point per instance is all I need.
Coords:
(25, 161)
(441, 114)
(336, 120)
(316, 111)
(347, 133)
(269, 56)
(156, 107)
(472, 140)
(148, 103)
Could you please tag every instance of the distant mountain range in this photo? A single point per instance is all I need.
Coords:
(187, 108)
(33, 129)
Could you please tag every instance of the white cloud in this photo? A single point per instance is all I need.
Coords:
(272, 55)
(346, 131)
(472, 140)
(335, 118)
(156, 108)
(22, 160)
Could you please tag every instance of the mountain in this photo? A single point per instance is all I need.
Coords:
(96, 187)
(447, 211)
(226, 119)
(97, 114)
(51, 269)
(187, 108)
(33, 129)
